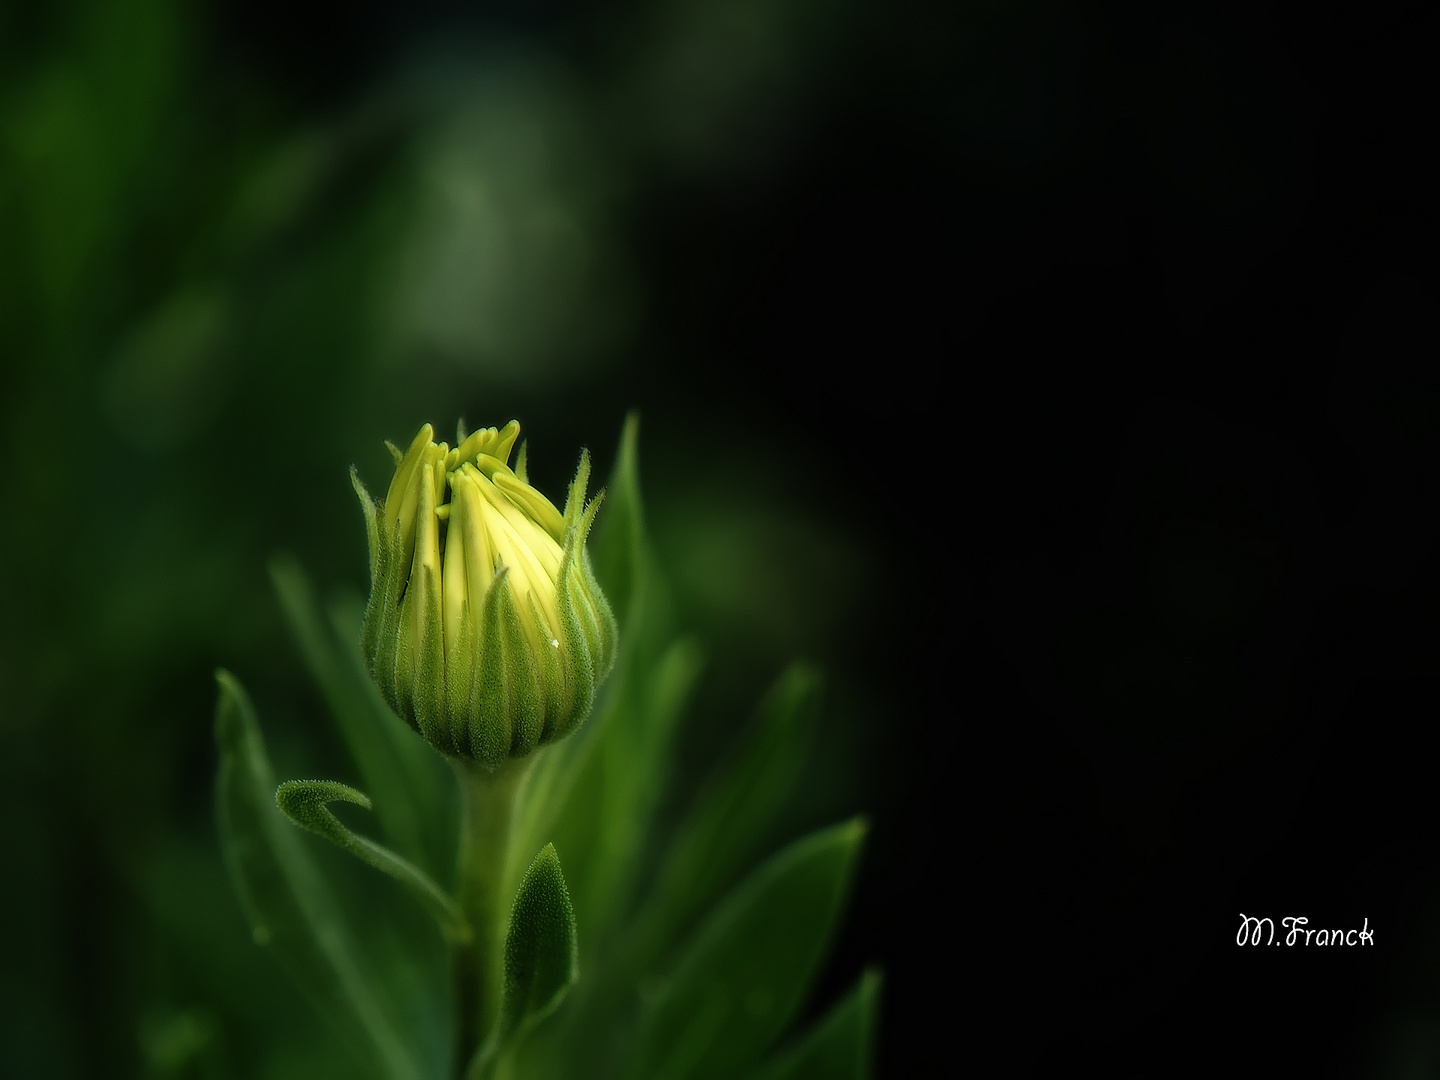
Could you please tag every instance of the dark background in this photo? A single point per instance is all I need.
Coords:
(1061, 376)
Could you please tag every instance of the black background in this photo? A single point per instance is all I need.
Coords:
(1110, 333)
(1125, 362)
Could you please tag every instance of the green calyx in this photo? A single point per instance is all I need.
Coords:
(486, 630)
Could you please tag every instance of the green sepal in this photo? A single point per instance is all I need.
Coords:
(580, 674)
(405, 657)
(385, 600)
(575, 495)
(593, 616)
(608, 628)
(522, 676)
(489, 712)
(427, 693)
(587, 625)
(376, 534)
(289, 909)
(552, 677)
(746, 971)
(460, 679)
(372, 525)
(303, 802)
(841, 1046)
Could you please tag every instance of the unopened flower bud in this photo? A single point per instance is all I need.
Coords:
(486, 630)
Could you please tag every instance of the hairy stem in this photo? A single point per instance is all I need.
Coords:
(487, 803)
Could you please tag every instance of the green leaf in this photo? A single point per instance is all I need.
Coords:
(413, 790)
(617, 547)
(542, 959)
(728, 820)
(746, 971)
(619, 557)
(303, 802)
(595, 793)
(840, 1046)
(284, 898)
(541, 955)
(615, 799)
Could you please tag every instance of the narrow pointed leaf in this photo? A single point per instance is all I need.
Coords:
(428, 780)
(611, 814)
(285, 900)
(840, 1047)
(541, 956)
(542, 960)
(392, 761)
(303, 802)
(746, 971)
(729, 818)
(618, 544)
(620, 560)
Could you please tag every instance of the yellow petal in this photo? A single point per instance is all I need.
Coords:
(405, 470)
(540, 509)
(504, 440)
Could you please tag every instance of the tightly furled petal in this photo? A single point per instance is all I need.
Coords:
(485, 630)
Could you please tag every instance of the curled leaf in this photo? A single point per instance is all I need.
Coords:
(303, 802)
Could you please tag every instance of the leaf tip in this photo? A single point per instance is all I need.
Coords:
(856, 829)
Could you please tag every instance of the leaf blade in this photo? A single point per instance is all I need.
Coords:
(728, 818)
(303, 802)
(285, 900)
(748, 967)
(541, 963)
(401, 786)
(618, 555)
(617, 548)
(840, 1046)
(541, 948)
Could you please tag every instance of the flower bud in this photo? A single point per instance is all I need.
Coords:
(486, 630)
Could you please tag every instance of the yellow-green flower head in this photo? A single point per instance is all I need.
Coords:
(486, 630)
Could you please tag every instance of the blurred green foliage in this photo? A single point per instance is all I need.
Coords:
(692, 967)
(210, 306)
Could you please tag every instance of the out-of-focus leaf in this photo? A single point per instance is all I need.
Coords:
(617, 546)
(745, 973)
(840, 1046)
(303, 802)
(573, 779)
(729, 817)
(551, 786)
(289, 909)
(639, 749)
(406, 778)
(618, 555)
(429, 780)
(608, 820)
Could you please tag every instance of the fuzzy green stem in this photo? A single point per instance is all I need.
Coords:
(487, 801)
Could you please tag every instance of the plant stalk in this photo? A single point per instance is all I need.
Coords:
(487, 806)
